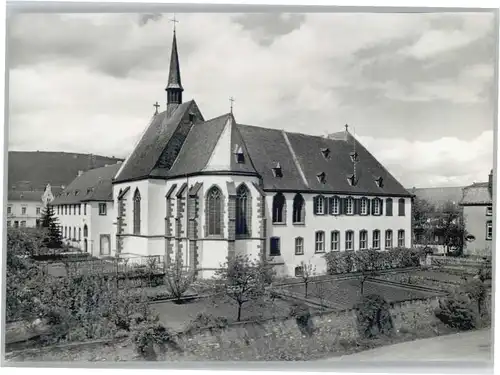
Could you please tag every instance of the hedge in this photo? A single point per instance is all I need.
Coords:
(355, 261)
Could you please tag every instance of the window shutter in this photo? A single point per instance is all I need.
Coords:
(327, 205)
(381, 206)
(373, 205)
(357, 204)
(368, 206)
(341, 206)
(315, 205)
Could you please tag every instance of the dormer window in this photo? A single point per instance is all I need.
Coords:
(89, 190)
(354, 157)
(277, 171)
(326, 152)
(239, 155)
(191, 117)
(380, 182)
(321, 177)
(352, 180)
(77, 192)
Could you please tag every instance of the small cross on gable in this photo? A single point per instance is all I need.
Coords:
(231, 99)
(156, 105)
(174, 20)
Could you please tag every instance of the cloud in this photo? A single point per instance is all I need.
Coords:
(446, 161)
(84, 82)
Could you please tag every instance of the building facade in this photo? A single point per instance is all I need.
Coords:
(206, 190)
(25, 208)
(85, 212)
(477, 206)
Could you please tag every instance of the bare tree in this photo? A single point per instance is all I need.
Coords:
(243, 280)
(308, 272)
(178, 278)
(367, 262)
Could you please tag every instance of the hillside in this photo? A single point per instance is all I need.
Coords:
(37, 168)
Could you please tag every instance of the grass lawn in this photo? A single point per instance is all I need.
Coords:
(346, 293)
(178, 316)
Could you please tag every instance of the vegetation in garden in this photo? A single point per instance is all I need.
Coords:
(308, 271)
(372, 260)
(178, 278)
(49, 222)
(373, 317)
(244, 280)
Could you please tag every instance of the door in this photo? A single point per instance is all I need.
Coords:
(105, 244)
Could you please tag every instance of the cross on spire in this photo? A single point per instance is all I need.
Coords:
(231, 99)
(156, 105)
(174, 20)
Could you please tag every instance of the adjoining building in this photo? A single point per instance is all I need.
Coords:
(25, 207)
(477, 203)
(85, 211)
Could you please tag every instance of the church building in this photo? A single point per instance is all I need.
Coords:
(208, 189)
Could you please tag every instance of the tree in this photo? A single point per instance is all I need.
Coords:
(423, 213)
(243, 280)
(49, 222)
(308, 271)
(178, 278)
(450, 226)
(367, 262)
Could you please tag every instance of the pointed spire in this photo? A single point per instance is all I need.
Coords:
(174, 87)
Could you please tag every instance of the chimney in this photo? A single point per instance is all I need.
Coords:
(490, 183)
(80, 173)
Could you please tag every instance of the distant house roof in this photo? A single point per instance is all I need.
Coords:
(477, 194)
(438, 196)
(29, 196)
(93, 185)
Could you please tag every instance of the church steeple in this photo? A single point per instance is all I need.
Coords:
(174, 88)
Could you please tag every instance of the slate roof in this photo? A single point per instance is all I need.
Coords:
(152, 144)
(477, 194)
(174, 76)
(30, 196)
(438, 196)
(93, 185)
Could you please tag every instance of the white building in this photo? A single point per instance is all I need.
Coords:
(25, 208)
(209, 189)
(85, 211)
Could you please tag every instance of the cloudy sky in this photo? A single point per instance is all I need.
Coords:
(417, 89)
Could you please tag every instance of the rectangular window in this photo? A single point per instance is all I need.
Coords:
(299, 246)
(319, 242)
(363, 206)
(363, 240)
(388, 207)
(9, 209)
(320, 205)
(349, 240)
(275, 249)
(401, 238)
(38, 210)
(23, 224)
(376, 207)
(102, 208)
(23, 210)
(489, 210)
(334, 206)
(401, 207)
(349, 206)
(388, 239)
(489, 230)
(376, 239)
(335, 241)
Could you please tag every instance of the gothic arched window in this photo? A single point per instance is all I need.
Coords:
(137, 212)
(243, 206)
(279, 214)
(298, 208)
(214, 211)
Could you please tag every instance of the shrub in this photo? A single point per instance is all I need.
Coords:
(178, 278)
(152, 338)
(455, 311)
(204, 320)
(351, 261)
(373, 317)
(302, 315)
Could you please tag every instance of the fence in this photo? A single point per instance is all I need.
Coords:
(119, 266)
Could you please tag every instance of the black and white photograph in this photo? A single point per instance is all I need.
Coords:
(250, 187)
